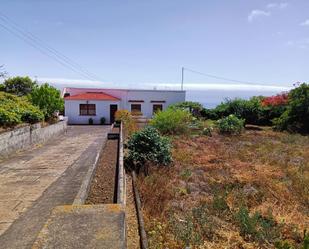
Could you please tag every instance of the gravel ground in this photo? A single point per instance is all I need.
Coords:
(133, 241)
(103, 183)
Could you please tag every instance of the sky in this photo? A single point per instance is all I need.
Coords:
(146, 43)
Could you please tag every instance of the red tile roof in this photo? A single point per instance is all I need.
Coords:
(92, 96)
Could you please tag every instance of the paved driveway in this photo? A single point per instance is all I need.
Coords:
(33, 182)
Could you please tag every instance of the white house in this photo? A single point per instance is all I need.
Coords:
(84, 103)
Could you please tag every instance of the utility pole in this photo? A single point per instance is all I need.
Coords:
(182, 77)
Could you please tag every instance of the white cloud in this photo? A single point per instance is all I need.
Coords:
(61, 83)
(282, 5)
(256, 14)
(305, 23)
(229, 87)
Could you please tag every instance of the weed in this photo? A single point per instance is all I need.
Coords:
(219, 203)
(194, 228)
(257, 227)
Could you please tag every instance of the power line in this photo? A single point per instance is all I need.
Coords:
(37, 43)
(220, 78)
(42, 51)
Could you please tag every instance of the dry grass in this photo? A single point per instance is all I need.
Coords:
(264, 171)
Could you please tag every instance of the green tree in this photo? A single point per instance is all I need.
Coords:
(19, 86)
(48, 99)
(296, 116)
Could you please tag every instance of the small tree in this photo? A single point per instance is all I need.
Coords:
(48, 99)
(19, 86)
(147, 146)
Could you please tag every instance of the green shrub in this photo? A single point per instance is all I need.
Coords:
(90, 121)
(32, 115)
(172, 121)
(230, 125)
(210, 114)
(147, 146)
(194, 108)
(296, 116)
(252, 111)
(15, 110)
(8, 118)
(102, 121)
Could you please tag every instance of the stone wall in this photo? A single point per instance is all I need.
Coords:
(23, 137)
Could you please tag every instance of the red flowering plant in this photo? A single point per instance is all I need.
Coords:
(277, 100)
(274, 106)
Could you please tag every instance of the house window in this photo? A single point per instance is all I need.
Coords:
(136, 108)
(156, 108)
(87, 110)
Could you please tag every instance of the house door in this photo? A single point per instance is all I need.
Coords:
(113, 109)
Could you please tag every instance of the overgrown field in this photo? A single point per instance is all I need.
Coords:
(246, 191)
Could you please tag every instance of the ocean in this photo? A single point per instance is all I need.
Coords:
(211, 98)
(209, 95)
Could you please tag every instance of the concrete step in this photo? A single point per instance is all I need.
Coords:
(84, 226)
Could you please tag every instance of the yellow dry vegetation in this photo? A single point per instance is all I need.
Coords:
(219, 178)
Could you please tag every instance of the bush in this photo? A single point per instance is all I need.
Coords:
(194, 108)
(15, 110)
(48, 99)
(230, 125)
(172, 121)
(147, 146)
(32, 115)
(209, 114)
(90, 121)
(102, 121)
(8, 118)
(296, 116)
(127, 120)
(257, 110)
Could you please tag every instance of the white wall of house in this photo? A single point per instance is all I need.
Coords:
(102, 110)
(147, 97)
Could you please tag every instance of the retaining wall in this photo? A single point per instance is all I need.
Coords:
(23, 137)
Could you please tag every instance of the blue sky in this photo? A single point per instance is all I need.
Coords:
(131, 43)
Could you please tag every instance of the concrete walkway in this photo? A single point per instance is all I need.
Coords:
(33, 182)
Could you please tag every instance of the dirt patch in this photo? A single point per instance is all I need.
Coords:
(133, 240)
(103, 184)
